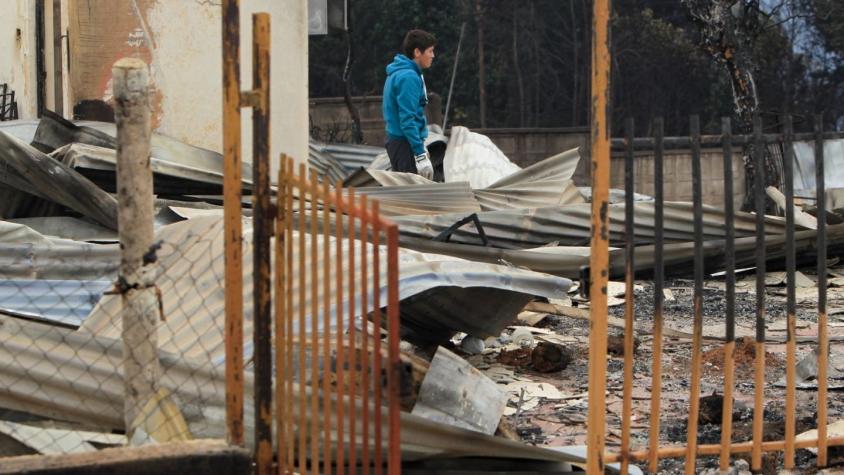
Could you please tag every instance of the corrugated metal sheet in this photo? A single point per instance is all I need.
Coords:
(474, 158)
(62, 301)
(170, 178)
(191, 270)
(556, 167)
(71, 376)
(349, 156)
(49, 441)
(27, 169)
(324, 164)
(571, 225)
(530, 195)
(26, 254)
(436, 198)
(66, 227)
(367, 177)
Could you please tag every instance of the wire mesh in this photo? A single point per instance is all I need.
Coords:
(61, 356)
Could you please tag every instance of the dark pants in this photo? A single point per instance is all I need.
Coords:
(401, 156)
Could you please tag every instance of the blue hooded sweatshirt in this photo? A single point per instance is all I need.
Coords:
(404, 103)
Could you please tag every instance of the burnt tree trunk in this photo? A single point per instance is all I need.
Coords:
(728, 30)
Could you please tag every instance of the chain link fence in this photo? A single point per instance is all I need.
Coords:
(61, 359)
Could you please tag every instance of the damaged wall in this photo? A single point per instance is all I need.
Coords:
(181, 42)
(18, 53)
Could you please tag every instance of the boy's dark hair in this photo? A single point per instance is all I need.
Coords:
(417, 39)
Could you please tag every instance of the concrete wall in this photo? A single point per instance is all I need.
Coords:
(18, 53)
(677, 175)
(181, 42)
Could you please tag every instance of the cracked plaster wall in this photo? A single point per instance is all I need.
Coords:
(181, 40)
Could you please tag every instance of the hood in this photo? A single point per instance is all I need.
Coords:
(400, 63)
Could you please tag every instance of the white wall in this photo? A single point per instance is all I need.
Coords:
(17, 54)
(187, 70)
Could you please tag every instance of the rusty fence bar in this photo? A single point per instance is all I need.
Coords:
(730, 294)
(599, 254)
(262, 231)
(756, 445)
(759, 348)
(823, 335)
(331, 399)
(232, 193)
(791, 304)
(629, 330)
(656, 372)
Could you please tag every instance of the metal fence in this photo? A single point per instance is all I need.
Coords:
(8, 104)
(336, 330)
(768, 252)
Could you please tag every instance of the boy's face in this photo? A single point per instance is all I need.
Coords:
(424, 58)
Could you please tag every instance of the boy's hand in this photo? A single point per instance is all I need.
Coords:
(423, 166)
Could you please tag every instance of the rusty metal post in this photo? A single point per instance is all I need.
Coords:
(759, 347)
(694, 390)
(791, 307)
(394, 371)
(599, 255)
(823, 331)
(135, 225)
(262, 229)
(656, 372)
(730, 280)
(629, 310)
(281, 316)
(233, 229)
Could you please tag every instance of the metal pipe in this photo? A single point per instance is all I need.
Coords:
(694, 390)
(656, 372)
(365, 360)
(283, 215)
(232, 226)
(351, 210)
(262, 219)
(714, 141)
(823, 332)
(599, 255)
(759, 376)
(791, 305)
(341, 350)
(453, 75)
(394, 374)
(326, 325)
(629, 330)
(378, 350)
(730, 288)
(715, 449)
(301, 458)
(313, 191)
(289, 354)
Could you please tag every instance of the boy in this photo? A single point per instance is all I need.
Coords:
(404, 103)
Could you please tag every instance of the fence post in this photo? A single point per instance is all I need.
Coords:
(135, 226)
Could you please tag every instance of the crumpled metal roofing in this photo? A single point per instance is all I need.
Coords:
(27, 254)
(170, 178)
(191, 267)
(31, 171)
(368, 177)
(571, 225)
(64, 301)
(71, 376)
(474, 158)
(435, 198)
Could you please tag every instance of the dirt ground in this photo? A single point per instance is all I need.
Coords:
(559, 419)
